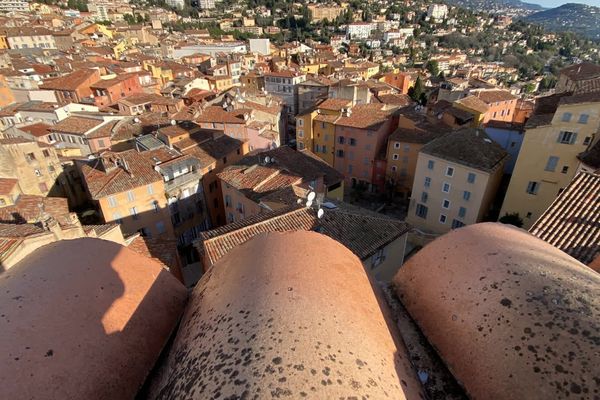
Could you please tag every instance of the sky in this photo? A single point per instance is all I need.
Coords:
(556, 3)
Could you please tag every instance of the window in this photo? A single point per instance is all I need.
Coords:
(154, 206)
(406, 148)
(394, 168)
(37, 172)
(340, 153)
(449, 171)
(430, 164)
(446, 187)
(240, 208)
(427, 182)
(583, 119)
(117, 217)
(133, 212)
(424, 197)
(227, 200)
(30, 157)
(446, 203)
(396, 145)
(144, 232)
(551, 164)
(341, 140)
(421, 211)
(457, 224)
(565, 169)
(101, 144)
(230, 217)
(466, 195)
(462, 212)
(300, 146)
(300, 122)
(395, 157)
(352, 142)
(224, 160)
(43, 187)
(587, 140)
(150, 189)
(46, 153)
(533, 187)
(349, 168)
(160, 227)
(443, 219)
(566, 137)
(566, 117)
(112, 202)
(366, 161)
(471, 177)
(324, 149)
(130, 196)
(300, 133)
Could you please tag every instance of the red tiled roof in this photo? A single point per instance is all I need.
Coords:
(38, 130)
(76, 125)
(572, 222)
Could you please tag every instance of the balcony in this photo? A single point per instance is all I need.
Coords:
(182, 180)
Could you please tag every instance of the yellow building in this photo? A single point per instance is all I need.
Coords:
(453, 188)
(315, 129)
(547, 161)
(324, 136)
(475, 106)
(36, 166)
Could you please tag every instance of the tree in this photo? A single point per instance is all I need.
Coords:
(512, 219)
(433, 67)
(416, 91)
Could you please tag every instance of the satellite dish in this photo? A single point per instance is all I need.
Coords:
(136, 120)
(309, 203)
(299, 201)
(267, 159)
(311, 196)
(320, 213)
(173, 122)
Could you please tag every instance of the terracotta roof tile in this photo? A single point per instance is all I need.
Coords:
(572, 222)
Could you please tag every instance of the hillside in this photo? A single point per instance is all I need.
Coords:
(496, 5)
(578, 18)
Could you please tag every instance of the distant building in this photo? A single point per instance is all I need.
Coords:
(14, 5)
(206, 4)
(330, 12)
(176, 3)
(579, 78)
(456, 180)
(359, 30)
(437, 12)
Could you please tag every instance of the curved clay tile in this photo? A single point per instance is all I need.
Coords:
(286, 315)
(83, 319)
(512, 316)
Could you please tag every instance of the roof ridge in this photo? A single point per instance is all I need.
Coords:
(259, 223)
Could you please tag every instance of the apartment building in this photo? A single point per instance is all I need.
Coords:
(456, 180)
(285, 85)
(361, 135)
(548, 159)
(320, 12)
(72, 87)
(25, 37)
(414, 131)
(108, 91)
(35, 165)
(359, 30)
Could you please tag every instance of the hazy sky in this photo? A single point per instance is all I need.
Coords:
(556, 3)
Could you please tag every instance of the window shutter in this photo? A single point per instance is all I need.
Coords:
(573, 138)
(560, 135)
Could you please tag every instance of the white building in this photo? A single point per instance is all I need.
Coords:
(176, 3)
(13, 5)
(285, 85)
(211, 49)
(437, 11)
(206, 4)
(359, 30)
(260, 46)
(394, 34)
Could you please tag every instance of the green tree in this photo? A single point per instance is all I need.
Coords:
(433, 67)
(512, 219)
(416, 91)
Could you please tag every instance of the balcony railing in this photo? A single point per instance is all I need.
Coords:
(182, 180)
